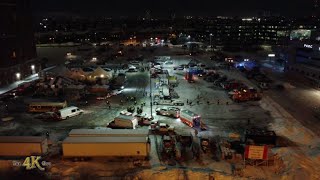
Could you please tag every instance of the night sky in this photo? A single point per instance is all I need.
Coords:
(180, 7)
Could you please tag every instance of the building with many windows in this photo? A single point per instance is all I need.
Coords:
(304, 54)
(18, 51)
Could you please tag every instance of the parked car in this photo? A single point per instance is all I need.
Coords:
(125, 112)
(168, 62)
(201, 65)
(48, 116)
(132, 70)
(219, 80)
(192, 64)
(231, 85)
(180, 67)
(135, 62)
(168, 111)
(165, 128)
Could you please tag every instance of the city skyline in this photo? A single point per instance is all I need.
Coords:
(180, 8)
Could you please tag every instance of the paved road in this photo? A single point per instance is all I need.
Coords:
(299, 100)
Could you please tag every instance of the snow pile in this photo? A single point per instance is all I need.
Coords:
(178, 174)
(302, 160)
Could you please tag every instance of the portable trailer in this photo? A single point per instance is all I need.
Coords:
(82, 147)
(109, 133)
(23, 145)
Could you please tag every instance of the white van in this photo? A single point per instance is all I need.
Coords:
(68, 112)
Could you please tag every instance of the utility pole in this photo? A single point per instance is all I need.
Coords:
(150, 94)
(210, 41)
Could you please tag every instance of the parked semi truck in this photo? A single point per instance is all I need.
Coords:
(135, 147)
(23, 146)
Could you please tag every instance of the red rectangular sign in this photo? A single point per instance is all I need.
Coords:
(256, 152)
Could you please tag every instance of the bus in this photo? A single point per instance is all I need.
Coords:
(189, 118)
(41, 107)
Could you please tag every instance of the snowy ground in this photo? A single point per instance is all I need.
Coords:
(300, 151)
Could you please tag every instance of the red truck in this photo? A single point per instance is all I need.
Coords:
(245, 95)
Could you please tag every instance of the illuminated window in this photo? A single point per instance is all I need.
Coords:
(14, 54)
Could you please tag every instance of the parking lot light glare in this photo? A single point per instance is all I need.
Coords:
(18, 76)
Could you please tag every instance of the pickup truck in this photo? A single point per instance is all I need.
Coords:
(168, 111)
(168, 102)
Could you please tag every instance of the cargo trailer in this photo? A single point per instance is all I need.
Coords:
(23, 145)
(124, 121)
(109, 133)
(130, 147)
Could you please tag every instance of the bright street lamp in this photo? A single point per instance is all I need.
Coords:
(211, 40)
(18, 76)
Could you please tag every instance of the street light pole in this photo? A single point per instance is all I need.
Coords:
(210, 41)
(150, 96)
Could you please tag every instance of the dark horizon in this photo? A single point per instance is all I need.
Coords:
(165, 8)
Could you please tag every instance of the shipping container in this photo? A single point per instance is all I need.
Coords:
(23, 145)
(138, 147)
(109, 133)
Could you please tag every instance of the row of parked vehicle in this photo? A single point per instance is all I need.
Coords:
(237, 90)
